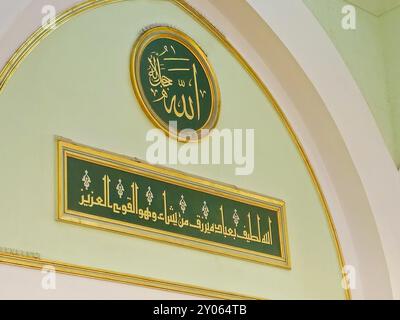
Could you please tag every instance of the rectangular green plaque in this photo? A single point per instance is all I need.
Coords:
(117, 193)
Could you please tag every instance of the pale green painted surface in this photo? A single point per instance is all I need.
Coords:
(76, 84)
(371, 53)
(391, 44)
(376, 7)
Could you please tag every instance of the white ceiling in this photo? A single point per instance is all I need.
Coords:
(376, 7)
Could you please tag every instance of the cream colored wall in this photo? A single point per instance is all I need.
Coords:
(76, 84)
(8, 12)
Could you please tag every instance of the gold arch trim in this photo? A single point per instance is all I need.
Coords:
(62, 267)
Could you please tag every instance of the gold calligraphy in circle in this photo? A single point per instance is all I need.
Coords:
(174, 82)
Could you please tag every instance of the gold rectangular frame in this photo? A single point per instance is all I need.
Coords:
(66, 147)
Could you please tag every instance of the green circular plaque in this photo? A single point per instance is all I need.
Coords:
(174, 83)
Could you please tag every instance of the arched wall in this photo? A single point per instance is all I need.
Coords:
(350, 113)
(283, 76)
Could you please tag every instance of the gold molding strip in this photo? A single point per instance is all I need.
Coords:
(41, 33)
(105, 275)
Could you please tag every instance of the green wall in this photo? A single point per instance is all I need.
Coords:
(76, 84)
(370, 52)
(390, 24)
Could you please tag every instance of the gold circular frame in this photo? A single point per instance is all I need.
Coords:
(167, 32)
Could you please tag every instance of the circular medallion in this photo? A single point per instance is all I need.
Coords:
(175, 83)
